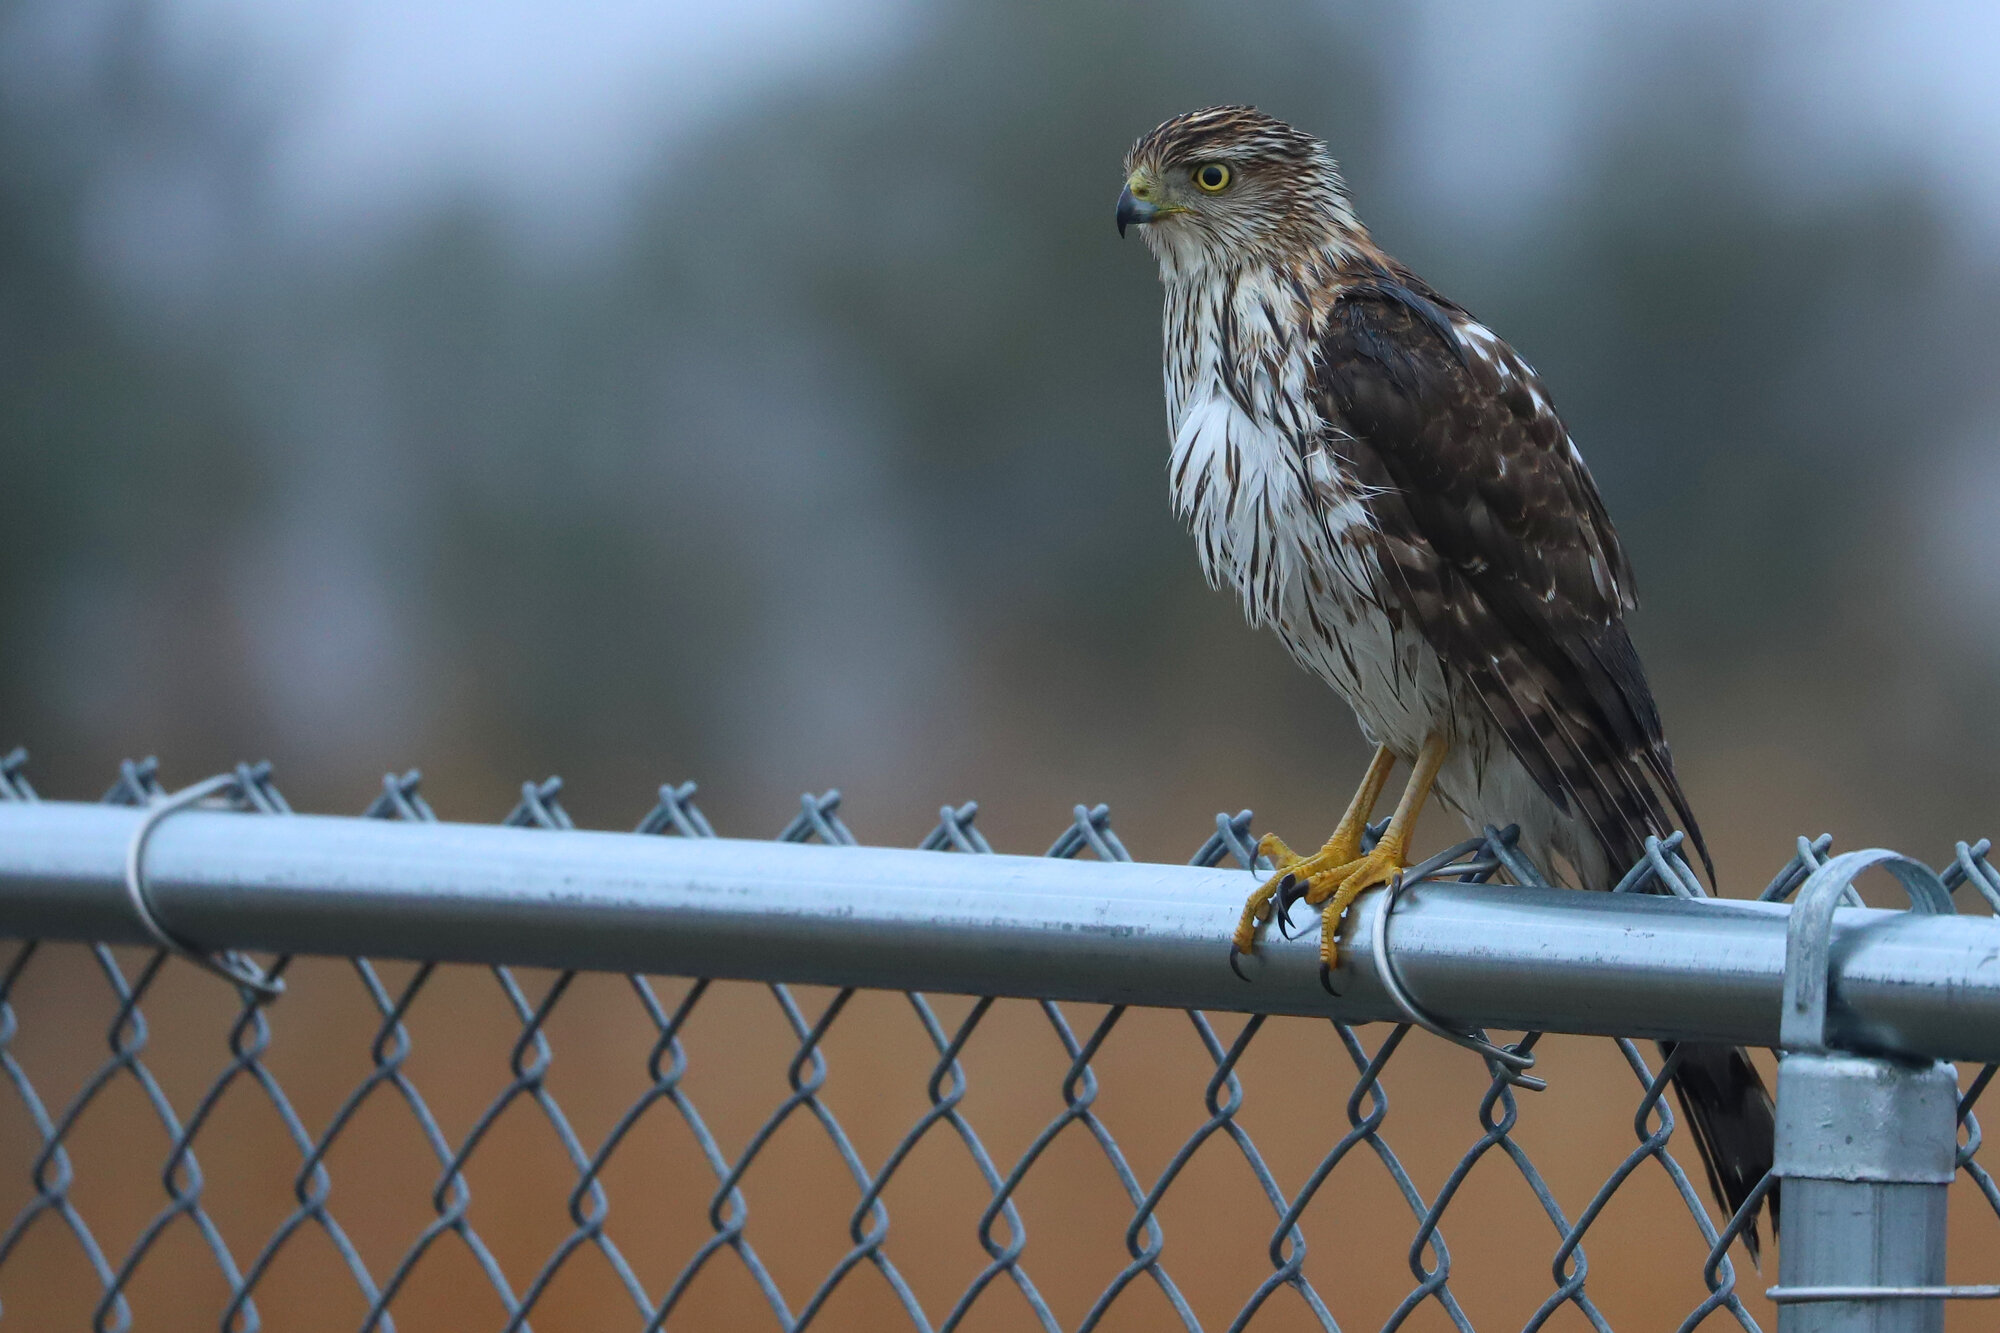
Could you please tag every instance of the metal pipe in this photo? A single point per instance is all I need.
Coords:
(1503, 957)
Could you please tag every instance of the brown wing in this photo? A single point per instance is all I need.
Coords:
(1495, 539)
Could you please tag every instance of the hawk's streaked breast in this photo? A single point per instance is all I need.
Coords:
(1278, 514)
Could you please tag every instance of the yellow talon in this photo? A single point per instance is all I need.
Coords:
(1255, 913)
(1340, 871)
(1272, 848)
(1323, 867)
(1341, 849)
(1377, 868)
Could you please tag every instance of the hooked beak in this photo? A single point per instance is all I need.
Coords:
(1134, 211)
(1130, 210)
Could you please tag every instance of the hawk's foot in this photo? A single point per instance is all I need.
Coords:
(1380, 866)
(1337, 873)
(1314, 877)
(1296, 876)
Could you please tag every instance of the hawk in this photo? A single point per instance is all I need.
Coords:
(1382, 481)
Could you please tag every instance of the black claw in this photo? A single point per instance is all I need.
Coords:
(1234, 966)
(1326, 981)
(1290, 890)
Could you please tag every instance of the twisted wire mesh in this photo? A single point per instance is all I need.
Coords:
(657, 1288)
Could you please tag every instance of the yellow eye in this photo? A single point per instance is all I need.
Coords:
(1213, 178)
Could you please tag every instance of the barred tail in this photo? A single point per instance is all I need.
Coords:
(1733, 1124)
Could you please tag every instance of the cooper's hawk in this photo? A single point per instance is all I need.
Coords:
(1385, 483)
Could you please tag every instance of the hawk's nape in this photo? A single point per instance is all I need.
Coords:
(1386, 484)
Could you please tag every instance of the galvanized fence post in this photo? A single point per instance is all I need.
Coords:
(1866, 1145)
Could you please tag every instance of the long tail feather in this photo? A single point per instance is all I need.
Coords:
(1733, 1123)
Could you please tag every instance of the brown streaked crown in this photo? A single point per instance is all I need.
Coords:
(1224, 133)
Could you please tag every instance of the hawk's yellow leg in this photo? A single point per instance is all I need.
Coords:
(1342, 850)
(1385, 861)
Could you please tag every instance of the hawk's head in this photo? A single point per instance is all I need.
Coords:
(1230, 184)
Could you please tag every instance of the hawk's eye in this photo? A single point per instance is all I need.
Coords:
(1213, 178)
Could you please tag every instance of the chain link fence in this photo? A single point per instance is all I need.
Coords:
(1535, 1185)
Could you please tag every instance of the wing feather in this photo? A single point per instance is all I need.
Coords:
(1499, 545)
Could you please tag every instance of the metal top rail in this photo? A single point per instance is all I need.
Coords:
(1504, 957)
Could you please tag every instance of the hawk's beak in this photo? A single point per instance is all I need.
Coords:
(1137, 209)
(1133, 211)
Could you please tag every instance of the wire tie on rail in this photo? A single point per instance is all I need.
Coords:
(232, 967)
(1509, 1065)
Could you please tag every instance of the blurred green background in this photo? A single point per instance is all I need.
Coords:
(763, 396)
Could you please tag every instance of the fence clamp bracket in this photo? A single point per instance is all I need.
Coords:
(1809, 936)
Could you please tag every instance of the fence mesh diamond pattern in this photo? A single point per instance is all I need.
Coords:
(295, 1163)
